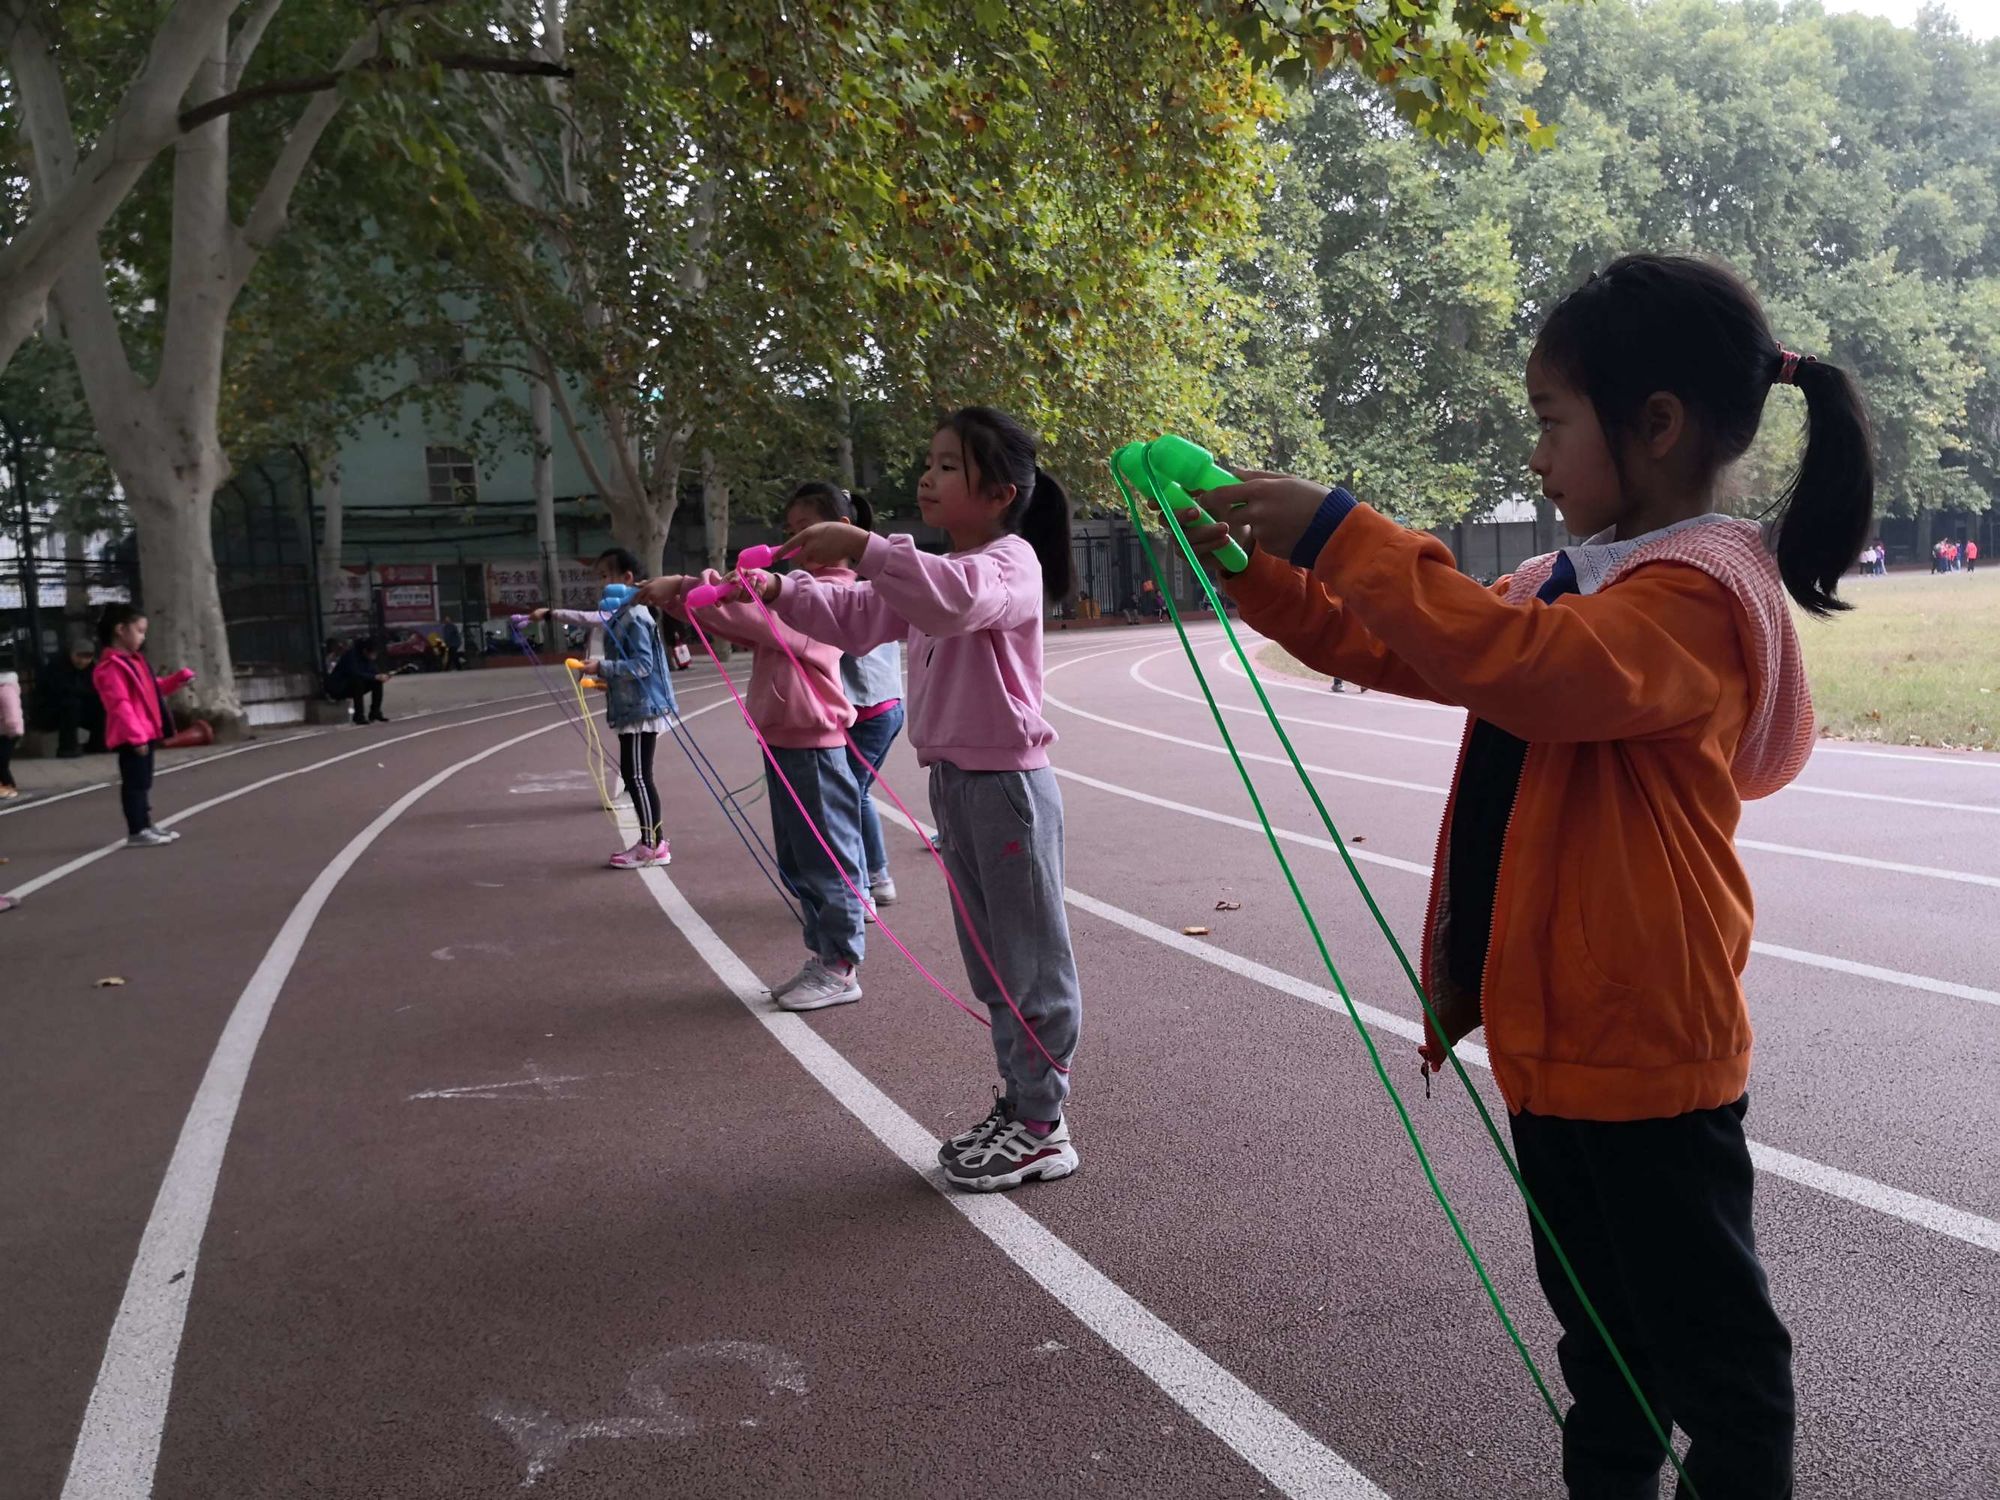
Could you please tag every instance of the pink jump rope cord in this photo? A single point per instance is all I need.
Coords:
(957, 896)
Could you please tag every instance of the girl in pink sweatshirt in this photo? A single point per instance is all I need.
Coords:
(134, 716)
(971, 623)
(804, 723)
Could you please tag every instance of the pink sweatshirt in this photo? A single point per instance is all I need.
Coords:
(791, 714)
(974, 626)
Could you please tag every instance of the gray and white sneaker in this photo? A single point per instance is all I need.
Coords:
(965, 1140)
(825, 985)
(779, 991)
(169, 834)
(1011, 1156)
(148, 838)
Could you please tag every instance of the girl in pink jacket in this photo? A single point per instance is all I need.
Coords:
(804, 723)
(134, 716)
(971, 623)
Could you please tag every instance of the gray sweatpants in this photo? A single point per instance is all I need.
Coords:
(1001, 835)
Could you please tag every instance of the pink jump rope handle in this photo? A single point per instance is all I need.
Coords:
(702, 595)
(756, 557)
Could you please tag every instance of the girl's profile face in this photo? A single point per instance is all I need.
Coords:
(131, 636)
(609, 572)
(948, 493)
(1572, 458)
(798, 516)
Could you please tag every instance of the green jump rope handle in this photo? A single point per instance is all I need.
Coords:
(1179, 466)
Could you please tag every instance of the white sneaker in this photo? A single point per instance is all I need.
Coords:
(882, 892)
(1011, 1156)
(824, 986)
(148, 838)
(806, 970)
(169, 834)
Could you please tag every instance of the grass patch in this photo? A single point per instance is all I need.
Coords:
(1915, 662)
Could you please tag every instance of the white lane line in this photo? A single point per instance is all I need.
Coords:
(262, 744)
(1288, 1456)
(1229, 664)
(1965, 760)
(1361, 856)
(1138, 676)
(1865, 1192)
(118, 1447)
(1801, 956)
(83, 861)
(1824, 856)
(1895, 867)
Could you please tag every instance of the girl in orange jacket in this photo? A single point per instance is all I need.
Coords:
(1588, 907)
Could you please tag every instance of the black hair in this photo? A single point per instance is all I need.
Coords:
(115, 615)
(832, 503)
(1003, 451)
(1650, 323)
(622, 560)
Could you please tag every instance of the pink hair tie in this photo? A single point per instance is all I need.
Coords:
(1788, 365)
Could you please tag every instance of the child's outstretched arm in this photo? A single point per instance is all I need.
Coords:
(173, 682)
(852, 616)
(1287, 604)
(995, 589)
(1652, 656)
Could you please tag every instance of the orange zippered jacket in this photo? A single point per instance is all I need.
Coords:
(1652, 707)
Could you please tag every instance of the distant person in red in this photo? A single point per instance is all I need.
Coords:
(1971, 555)
(135, 717)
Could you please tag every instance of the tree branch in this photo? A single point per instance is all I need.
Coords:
(319, 83)
(553, 380)
(74, 202)
(248, 35)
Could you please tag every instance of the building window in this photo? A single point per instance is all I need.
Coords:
(442, 362)
(452, 475)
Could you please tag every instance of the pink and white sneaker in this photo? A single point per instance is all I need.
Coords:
(641, 855)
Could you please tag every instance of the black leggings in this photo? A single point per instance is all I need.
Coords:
(1655, 1218)
(635, 764)
(6, 760)
(135, 785)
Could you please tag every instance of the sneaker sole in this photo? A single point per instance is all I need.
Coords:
(845, 997)
(1000, 1182)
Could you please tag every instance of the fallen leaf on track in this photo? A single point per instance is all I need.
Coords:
(1194, 932)
(109, 983)
(1229, 906)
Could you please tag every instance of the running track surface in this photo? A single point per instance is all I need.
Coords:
(524, 1190)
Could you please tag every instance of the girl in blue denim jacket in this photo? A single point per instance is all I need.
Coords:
(639, 697)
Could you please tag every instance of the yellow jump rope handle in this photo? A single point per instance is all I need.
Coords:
(591, 682)
(574, 663)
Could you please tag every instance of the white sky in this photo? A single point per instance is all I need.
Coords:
(1977, 18)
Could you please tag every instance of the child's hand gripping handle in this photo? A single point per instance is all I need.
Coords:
(1181, 466)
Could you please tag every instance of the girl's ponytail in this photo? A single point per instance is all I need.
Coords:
(1044, 525)
(1828, 507)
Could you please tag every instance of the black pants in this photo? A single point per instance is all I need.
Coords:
(1655, 1217)
(635, 764)
(372, 691)
(6, 760)
(135, 785)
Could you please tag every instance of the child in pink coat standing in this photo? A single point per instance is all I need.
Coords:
(134, 716)
(805, 724)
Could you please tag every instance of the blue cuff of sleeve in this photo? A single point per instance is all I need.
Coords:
(1332, 511)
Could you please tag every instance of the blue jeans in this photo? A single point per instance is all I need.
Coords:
(831, 911)
(874, 736)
